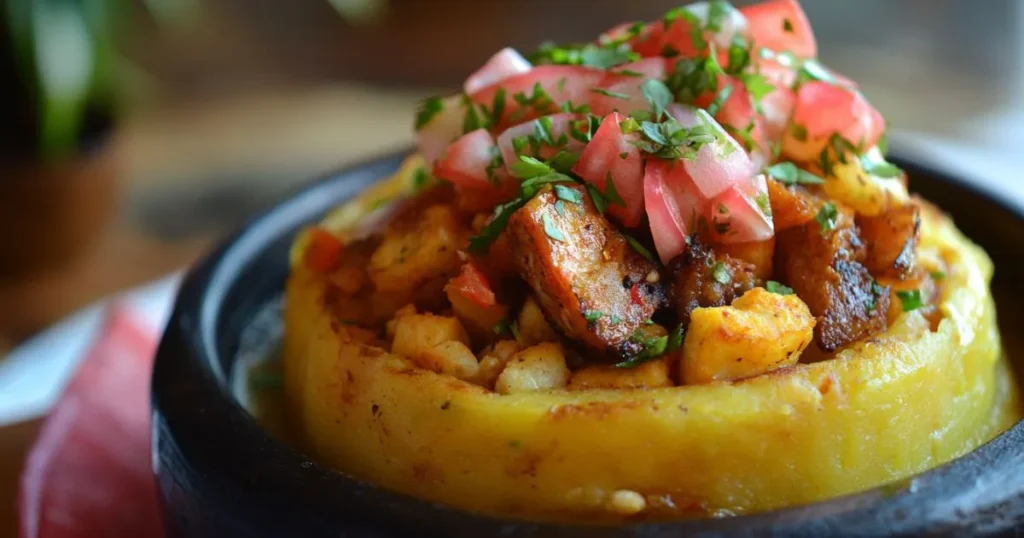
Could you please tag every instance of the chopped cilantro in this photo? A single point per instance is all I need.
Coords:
(497, 161)
(764, 204)
(668, 51)
(658, 95)
(600, 202)
(676, 338)
(419, 179)
(609, 93)
(880, 168)
(428, 108)
(629, 73)
(551, 230)
(787, 25)
(788, 173)
(652, 349)
(739, 56)
(757, 85)
(529, 167)
(624, 155)
(799, 132)
(692, 78)
(720, 100)
(938, 275)
(637, 246)
(497, 106)
(610, 193)
(472, 120)
(813, 70)
(600, 56)
(563, 161)
(560, 207)
(670, 140)
(827, 218)
(568, 194)
(592, 315)
(721, 274)
(911, 299)
(615, 320)
(778, 289)
(718, 10)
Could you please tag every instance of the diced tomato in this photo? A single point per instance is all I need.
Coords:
(532, 135)
(610, 154)
(741, 213)
(647, 43)
(623, 92)
(823, 109)
(558, 84)
(471, 164)
(672, 205)
(781, 25)
(717, 165)
(467, 160)
(473, 285)
(323, 250)
(776, 109)
(505, 63)
(776, 73)
(444, 127)
(679, 35)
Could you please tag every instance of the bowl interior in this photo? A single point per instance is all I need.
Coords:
(214, 457)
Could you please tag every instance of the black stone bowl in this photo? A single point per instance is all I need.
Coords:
(221, 475)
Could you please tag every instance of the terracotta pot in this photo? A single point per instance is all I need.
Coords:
(52, 212)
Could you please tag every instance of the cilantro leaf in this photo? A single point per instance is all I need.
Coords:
(880, 168)
(788, 173)
(529, 167)
(551, 230)
(720, 100)
(676, 338)
(592, 315)
(658, 95)
(428, 108)
(721, 274)
(652, 349)
(827, 218)
(778, 289)
(637, 246)
(600, 202)
(569, 195)
(610, 193)
(609, 93)
(911, 299)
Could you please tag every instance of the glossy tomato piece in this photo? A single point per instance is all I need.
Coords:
(679, 35)
(622, 88)
(781, 25)
(473, 164)
(741, 214)
(542, 138)
(323, 250)
(444, 126)
(473, 285)
(673, 206)
(647, 42)
(505, 63)
(539, 92)
(823, 109)
(611, 155)
(89, 472)
(717, 165)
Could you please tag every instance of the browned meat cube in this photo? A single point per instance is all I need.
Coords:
(891, 239)
(702, 277)
(588, 280)
(825, 269)
(792, 206)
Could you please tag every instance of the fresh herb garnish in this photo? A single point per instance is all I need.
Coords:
(506, 326)
(551, 230)
(718, 10)
(637, 246)
(692, 78)
(600, 202)
(563, 161)
(739, 56)
(828, 218)
(880, 167)
(813, 70)
(764, 204)
(497, 162)
(788, 173)
(609, 93)
(787, 25)
(757, 86)
(938, 275)
(568, 194)
(592, 315)
(658, 95)
(590, 55)
(676, 338)
(778, 289)
(911, 299)
(652, 349)
(419, 179)
(610, 193)
(427, 109)
(670, 140)
(799, 132)
(720, 99)
(721, 274)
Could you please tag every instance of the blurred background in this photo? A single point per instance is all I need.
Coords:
(137, 133)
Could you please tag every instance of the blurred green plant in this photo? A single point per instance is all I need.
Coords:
(64, 52)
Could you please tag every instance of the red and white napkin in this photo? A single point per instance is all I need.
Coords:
(89, 474)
